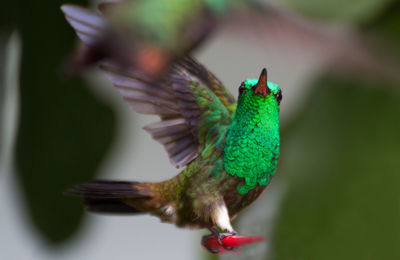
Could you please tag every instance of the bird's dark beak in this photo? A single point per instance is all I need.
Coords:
(261, 87)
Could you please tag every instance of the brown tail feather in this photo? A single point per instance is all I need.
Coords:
(109, 206)
(109, 196)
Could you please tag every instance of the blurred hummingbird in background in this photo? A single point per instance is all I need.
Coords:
(148, 34)
(228, 150)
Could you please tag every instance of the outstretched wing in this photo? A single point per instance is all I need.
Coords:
(206, 77)
(189, 111)
(192, 103)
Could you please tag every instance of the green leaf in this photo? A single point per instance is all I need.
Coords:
(9, 14)
(64, 131)
(387, 27)
(3, 43)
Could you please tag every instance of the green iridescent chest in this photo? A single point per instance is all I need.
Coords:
(252, 144)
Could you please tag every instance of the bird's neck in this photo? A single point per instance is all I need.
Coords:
(252, 144)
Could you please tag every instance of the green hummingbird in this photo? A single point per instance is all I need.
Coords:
(228, 150)
(147, 34)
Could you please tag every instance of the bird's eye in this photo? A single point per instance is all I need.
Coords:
(278, 97)
(241, 89)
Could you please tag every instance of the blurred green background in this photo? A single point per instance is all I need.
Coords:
(337, 191)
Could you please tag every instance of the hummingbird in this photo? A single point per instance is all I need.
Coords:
(228, 150)
(147, 34)
(150, 34)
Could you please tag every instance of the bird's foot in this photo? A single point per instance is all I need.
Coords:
(227, 242)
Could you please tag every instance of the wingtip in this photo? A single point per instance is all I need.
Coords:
(68, 8)
(63, 7)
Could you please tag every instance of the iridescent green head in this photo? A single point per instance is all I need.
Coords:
(260, 87)
(252, 145)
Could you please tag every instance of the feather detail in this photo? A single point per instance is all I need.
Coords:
(176, 148)
(166, 128)
(178, 117)
(186, 156)
(164, 140)
(208, 78)
(87, 24)
(111, 190)
(109, 196)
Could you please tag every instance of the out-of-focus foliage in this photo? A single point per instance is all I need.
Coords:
(339, 154)
(64, 131)
(342, 11)
(387, 27)
(9, 15)
(340, 160)
(3, 40)
(7, 19)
